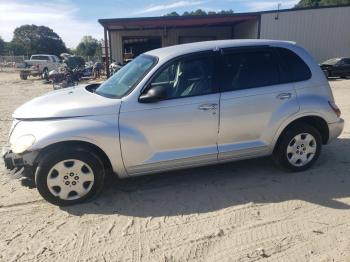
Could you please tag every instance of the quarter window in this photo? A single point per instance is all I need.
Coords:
(186, 77)
(298, 70)
(249, 69)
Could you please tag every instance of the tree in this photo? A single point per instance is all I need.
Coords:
(33, 39)
(315, 3)
(202, 12)
(172, 14)
(88, 46)
(198, 12)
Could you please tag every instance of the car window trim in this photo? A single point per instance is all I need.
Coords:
(211, 53)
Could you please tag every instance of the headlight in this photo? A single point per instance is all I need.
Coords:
(22, 144)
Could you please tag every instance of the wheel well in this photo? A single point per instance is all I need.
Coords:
(78, 144)
(315, 121)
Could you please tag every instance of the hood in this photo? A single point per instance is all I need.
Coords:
(69, 102)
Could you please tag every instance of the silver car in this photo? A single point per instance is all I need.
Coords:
(176, 107)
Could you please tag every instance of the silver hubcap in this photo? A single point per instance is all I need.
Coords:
(301, 149)
(70, 179)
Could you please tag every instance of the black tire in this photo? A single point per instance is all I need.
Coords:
(23, 76)
(44, 72)
(51, 158)
(280, 152)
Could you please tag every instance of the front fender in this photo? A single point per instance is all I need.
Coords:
(101, 131)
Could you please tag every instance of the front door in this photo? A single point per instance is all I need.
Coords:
(345, 67)
(179, 131)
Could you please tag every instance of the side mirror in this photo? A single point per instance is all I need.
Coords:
(154, 94)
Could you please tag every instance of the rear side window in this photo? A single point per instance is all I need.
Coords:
(297, 69)
(249, 69)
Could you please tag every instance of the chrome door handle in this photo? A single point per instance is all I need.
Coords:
(208, 107)
(283, 96)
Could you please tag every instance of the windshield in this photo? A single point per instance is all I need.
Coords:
(127, 77)
(332, 61)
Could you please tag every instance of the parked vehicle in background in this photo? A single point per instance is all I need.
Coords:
(336, 67)
(114, 68)
(96, 69)
(176, 107)
(65, 77)
(39, 65)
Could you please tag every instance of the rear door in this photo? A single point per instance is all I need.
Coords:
(255, 99)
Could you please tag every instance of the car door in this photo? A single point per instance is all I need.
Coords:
(178, 131)
(254, 101)
(346, 67)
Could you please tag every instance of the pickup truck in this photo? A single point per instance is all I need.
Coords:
(39, 64)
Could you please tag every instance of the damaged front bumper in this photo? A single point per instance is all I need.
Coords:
(19, 165)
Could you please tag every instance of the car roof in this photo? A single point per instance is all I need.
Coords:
(177, 50)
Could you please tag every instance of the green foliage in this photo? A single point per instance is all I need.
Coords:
(88, 46)
(172, 14)
(315, 3)
(32, 39)
(202, 12)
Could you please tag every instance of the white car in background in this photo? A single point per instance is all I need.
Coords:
(39, 64)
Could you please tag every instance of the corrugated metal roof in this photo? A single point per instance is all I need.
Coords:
(175, 21)
(193, 21)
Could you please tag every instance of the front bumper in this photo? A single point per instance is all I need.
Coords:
(335, 129)
(18, 164)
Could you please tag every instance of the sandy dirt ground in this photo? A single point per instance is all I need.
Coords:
(242, 211)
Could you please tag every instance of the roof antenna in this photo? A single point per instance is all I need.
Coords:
(278, 11)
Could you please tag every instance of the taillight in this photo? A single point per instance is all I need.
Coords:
(335, 108)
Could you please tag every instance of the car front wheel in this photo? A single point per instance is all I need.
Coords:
(69, 176)
(298, 148)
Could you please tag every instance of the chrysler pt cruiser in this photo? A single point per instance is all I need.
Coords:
(176, 107)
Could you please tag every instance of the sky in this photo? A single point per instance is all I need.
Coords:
(72, 19)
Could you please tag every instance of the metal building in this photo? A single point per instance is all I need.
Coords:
(324, 31)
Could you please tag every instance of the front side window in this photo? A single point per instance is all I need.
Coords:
(186, 77)
(346, 61)
(127, 77)
(249, 69)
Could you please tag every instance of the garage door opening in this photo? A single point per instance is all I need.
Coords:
(134, 46)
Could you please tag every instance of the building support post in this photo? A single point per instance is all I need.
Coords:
(110, 46)
(259, 27)
(106, 52)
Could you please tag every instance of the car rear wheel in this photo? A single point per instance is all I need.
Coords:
(69, 176)
(298, 148)
(23, 76)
